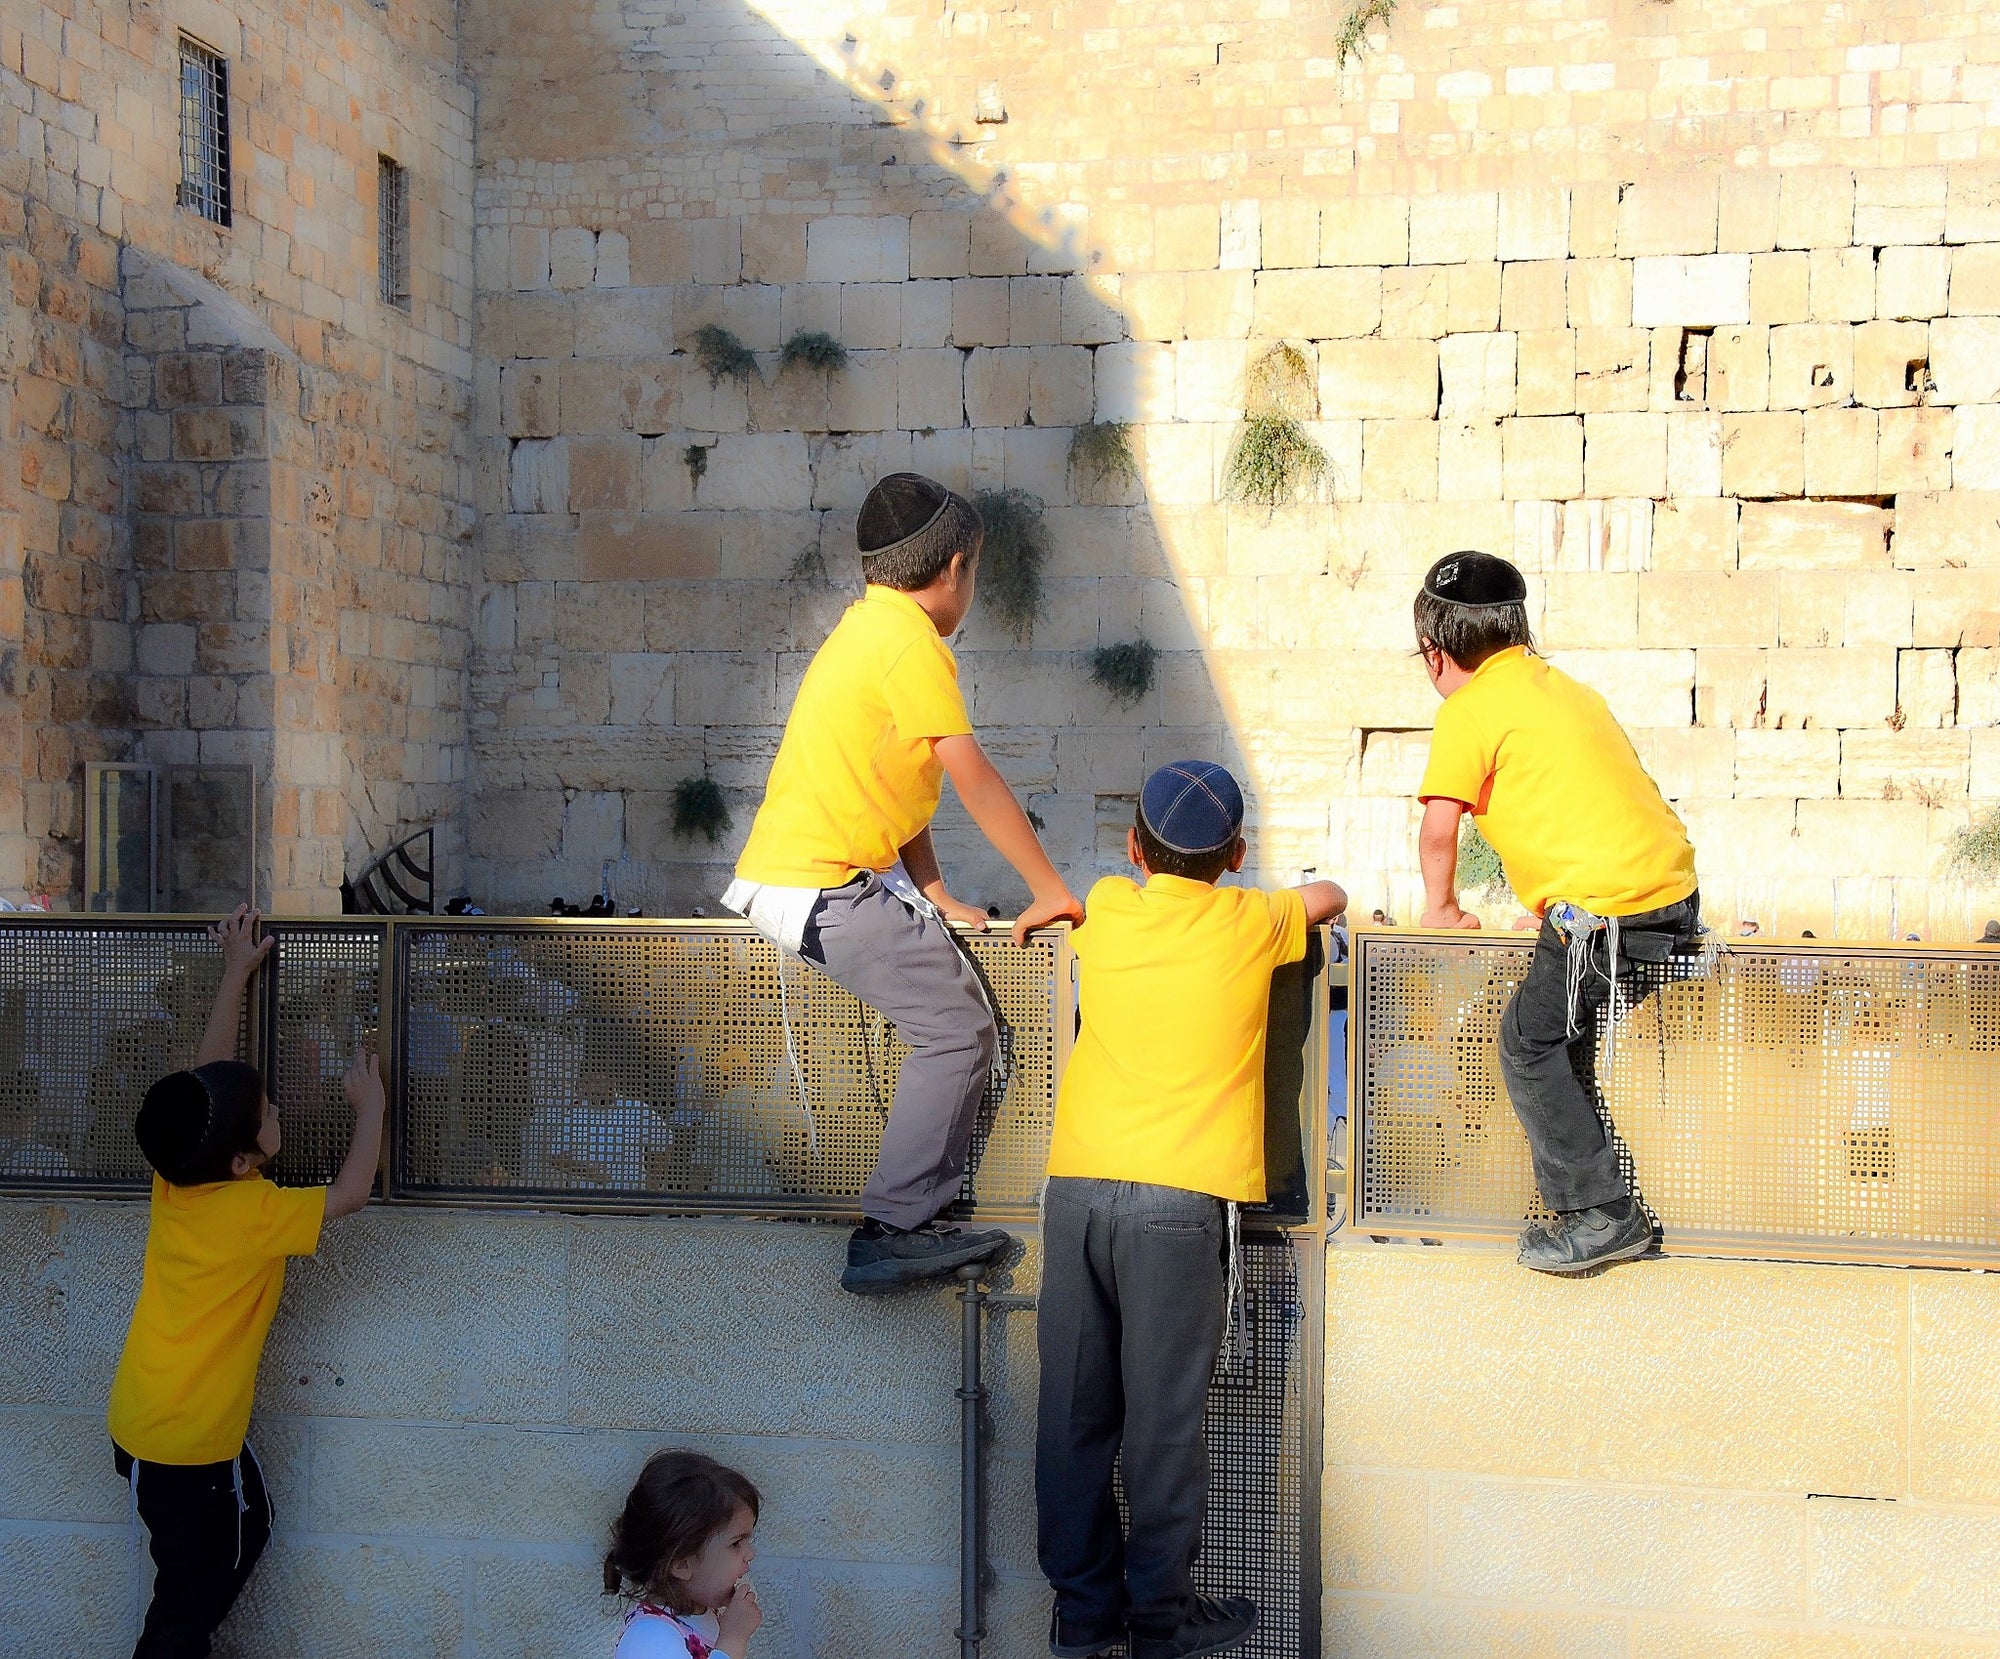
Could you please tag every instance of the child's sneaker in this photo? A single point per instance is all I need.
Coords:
(1082, 1639)
(881, 1258)
(1579, 1240)
(1212, 1624)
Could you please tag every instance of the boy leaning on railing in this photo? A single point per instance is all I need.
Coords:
(216, 1245)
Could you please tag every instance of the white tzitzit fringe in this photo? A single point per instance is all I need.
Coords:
(1236, 1324)
(792, 1056)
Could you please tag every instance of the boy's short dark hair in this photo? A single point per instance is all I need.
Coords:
(911, 528)
(192, 1124)
(1163, 860)
(1491, 616)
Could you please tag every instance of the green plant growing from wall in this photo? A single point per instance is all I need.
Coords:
(1102, 450)
(722, 356)
(1274, 457)
(1480, 872)
(695, 459)
(1126, 672)
(1010, 564)
(699, 809)
(1975, 850)
(1354, 27)
(809, 565)
(813, 349)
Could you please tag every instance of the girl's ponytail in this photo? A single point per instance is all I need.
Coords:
(614, 1580)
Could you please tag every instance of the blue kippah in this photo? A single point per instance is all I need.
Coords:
(1192, 806)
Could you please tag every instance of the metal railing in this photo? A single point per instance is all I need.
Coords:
(1813, 1099)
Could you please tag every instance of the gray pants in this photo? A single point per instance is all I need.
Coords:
(912, 971)
(1134, 1299)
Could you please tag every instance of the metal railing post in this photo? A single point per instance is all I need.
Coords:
(971, 1446)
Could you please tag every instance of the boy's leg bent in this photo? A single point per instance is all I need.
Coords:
(203, 1544)
(911, 970)
(1575, 1164)
(1081, 1408)
(1169, 1253)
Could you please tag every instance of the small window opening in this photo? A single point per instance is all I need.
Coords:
(393, 232)
(204, 132)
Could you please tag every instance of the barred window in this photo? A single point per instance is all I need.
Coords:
(204, 131)
(393, 233)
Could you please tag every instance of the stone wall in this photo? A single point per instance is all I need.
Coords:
(364, 597)
(1691, 314)
(453, 1406)
(1677, 1458)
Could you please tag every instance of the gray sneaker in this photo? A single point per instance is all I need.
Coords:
(1579, 1240)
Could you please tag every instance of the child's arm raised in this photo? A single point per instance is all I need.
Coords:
(242, 954)
(1437, 854)
(1000, 818)
(363, 1087)
(1324, 901)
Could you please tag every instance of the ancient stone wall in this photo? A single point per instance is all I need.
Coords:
(1691, 313)
(357, 576)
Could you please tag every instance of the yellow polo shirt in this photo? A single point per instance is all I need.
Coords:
(215, 1263)
(857, 773)
(1166, 1082)
(1558, 790)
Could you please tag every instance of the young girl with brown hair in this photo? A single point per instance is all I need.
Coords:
(680, 1550)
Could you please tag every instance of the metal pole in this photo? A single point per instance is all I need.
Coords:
(972, 1403)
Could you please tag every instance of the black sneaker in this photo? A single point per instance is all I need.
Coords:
(1214, 1624)
(1579, 1240)
(881, 1258)
(1083, 1639)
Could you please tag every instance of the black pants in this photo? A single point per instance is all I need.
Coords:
(1552, 1077)
(1134, 1297)
(205, 1541)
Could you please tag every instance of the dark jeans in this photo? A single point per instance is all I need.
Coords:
(1552, 1077)
(204, 1545)
(1134, 1297)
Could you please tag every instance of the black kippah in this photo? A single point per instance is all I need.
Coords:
(1470, 578)
(902, 505)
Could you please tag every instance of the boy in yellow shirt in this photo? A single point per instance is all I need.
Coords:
(215, 1263)
(1589, 845)
(878, 724)
(1159, 1132)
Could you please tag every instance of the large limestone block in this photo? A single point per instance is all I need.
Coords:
(1644, 688)
(1454, 228)
(1679, 607)
(1362, 1625)
(1739, 368)
(1691, 292)
(1889, 359)
(1816, 208)
(1378, 378)
(1925, 765)
(1965, 359)
(1813, 535)
(1811, 364)
(1328, 304)
(1534, 222)
(1975, 447)
(979, 312)
(1977, 677)
(1955, 531)
(626, 546)
(1208, 379)
(1956, 607)
(1780, 287)
(1365, 230)
(1543, 458)
(1668, 214)
(757, 472)
(1135, 382)
(1913, 282)
(1399, 460)
(845, 248)
(382, 1596)
(996, 387)
(1975, 280)
(1787, 764)
(1764, 454)
(1840, 285)
(1545, 372)
(1374, 1526)
(1555, 1544)
(66, 1589)
(1905, 1565)
(1955, 1454)
(930, 389)
(1855, 686)
(1625, 455)
(1476, 373)
(1613, 369)
(1591, 608)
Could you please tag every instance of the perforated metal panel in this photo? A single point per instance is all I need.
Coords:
(92, 1012)
(1839, 1101)
(322, 1007)
(628, 1060)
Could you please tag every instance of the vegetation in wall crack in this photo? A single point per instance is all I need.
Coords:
(813, 349)
(1480, 873)
(809, 565)
(722, 356)
(1126, 672)
(1010, 564)
(1354, 27)
(1273, 460)
(1975, 850)
(1101, 451)
(695, 458)
(699, 809)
